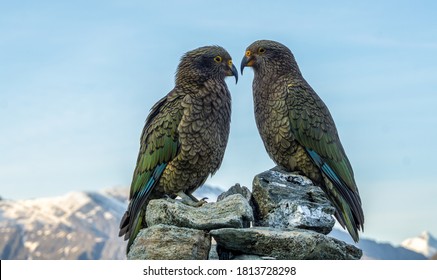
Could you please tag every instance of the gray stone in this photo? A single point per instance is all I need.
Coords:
(213, 254)
(287, 200)
(213, 251)
(284, 245)
(236, 189)
(233, 211)
(164, 242)
(247, 257)
(224, 254)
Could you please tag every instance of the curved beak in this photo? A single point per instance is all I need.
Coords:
(246, 61)
(234, 72)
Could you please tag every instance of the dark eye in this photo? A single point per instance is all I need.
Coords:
(261, 50)
(218, 59)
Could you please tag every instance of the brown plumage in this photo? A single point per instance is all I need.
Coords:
(185, 136)
(298, 131)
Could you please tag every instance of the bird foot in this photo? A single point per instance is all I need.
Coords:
(190, 200)
(194, 203)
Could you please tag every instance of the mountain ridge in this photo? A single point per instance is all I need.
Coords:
(424, 244)
(84, 225)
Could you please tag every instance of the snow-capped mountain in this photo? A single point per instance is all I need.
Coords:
(424, 244)
(84, 225)
(78, 225)
(373, 250)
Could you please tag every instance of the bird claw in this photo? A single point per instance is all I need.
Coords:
(203, 201)
(168, 198)
(193, 203)
(190, 200)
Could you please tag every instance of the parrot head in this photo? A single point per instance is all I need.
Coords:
(205, 63)
(263, 54)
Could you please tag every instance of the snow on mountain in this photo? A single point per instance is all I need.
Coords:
(424, 244)
(120, 193)
(373, 250)
(78, 225)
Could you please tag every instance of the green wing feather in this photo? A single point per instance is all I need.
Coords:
(159, 146)
(313, 127)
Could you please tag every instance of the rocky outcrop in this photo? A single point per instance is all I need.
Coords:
(237, 189)
(286, 200)
(286, 217)
(279, 244)
(165, 242)
(180, 232)
(233, 211)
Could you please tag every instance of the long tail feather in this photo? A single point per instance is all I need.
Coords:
(347, 203)
(132, 220)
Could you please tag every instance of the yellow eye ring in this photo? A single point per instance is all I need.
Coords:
(261, 50)
(218, 59)
(248, 53)
(230, 63)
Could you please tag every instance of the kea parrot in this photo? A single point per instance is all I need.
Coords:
(298, 130)
(184, 137)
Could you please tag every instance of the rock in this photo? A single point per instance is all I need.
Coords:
(284, 245)
(164, 242)
(213, 251)
(233, 211)
(225, 254)
(247, 257)
(236, 189)
(287, 200)
(288, 206)
(219, 253)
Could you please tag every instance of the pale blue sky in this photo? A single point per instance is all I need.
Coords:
(77, 80)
